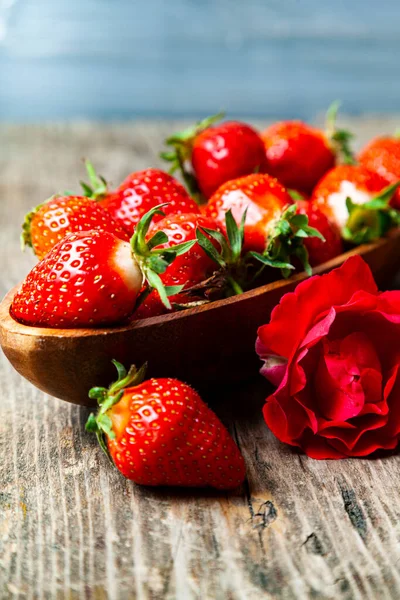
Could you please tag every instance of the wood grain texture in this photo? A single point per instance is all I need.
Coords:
(71, 527)
(115, 60)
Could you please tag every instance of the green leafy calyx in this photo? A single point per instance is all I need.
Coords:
(153, 260)
(26, 236)
(286, 240)
(97, 188)
(295, 195)
(340, 139)
(229, 256)
(370, 221)
(101, 424)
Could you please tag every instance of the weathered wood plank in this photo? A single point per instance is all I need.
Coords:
(71, 527)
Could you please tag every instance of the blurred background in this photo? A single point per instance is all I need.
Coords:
(118, 59)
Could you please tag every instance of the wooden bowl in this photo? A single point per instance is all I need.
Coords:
(202, 346)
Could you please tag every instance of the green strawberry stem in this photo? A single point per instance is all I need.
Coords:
(237, 289)
(295, 195)
(373, 219)
(26, 237)
(340, 139)
(101, 424)
(152, 260)
(181, 153)
(98, 185)
(229, 257)
(286, 241)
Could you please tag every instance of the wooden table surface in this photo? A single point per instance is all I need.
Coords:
(72, 527)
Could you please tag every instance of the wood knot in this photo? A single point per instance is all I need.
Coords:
(265, 515)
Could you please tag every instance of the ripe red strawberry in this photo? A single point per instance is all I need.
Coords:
(299, 155)
(188, 269)
(382, 155)
(357, 201)
(93, 278)
(273, 232)
(137, 194)
(320, 251)
(216, 153)
(50, 222)
(161, 433)
(263, 196)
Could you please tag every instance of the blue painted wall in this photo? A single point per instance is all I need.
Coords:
(112, 59)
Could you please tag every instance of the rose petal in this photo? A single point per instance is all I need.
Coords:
(340, 397)
(274, 367)
(328, 424)
(319, 448)
(296, 377)
(374, 433)
(392, 396)
(289, 421)
(390, 382)
(276, 419)
(303, 400)
(365, 446)
(320, 330)
(337, 379)
(350, 437)
(389, 304)
(359, 349)
(296, 312)
(360, 302)
(383, 334)
(371, 383)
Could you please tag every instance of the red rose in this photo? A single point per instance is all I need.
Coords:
(333, 348)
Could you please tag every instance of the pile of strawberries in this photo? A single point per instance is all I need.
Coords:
(258, 206)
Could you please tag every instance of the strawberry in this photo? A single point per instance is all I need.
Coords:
(187, 270)
(357, 201)
(382, 155)
(93, 278)
(160, 433)
(137, 194)
(272, 230)
(320, 251)
(50, 222)
(262, 195)
(215, 154)
(299, 155)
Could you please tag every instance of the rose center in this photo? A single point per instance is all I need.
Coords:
(348, 377)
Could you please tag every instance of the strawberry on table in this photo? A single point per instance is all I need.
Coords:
(382, 155)
(50, 222)
(208, 155)
(273, 232)
(357, 200)
(187, 270)
(137, 194)
(299, 155)
(94, 278)
(160, 433)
